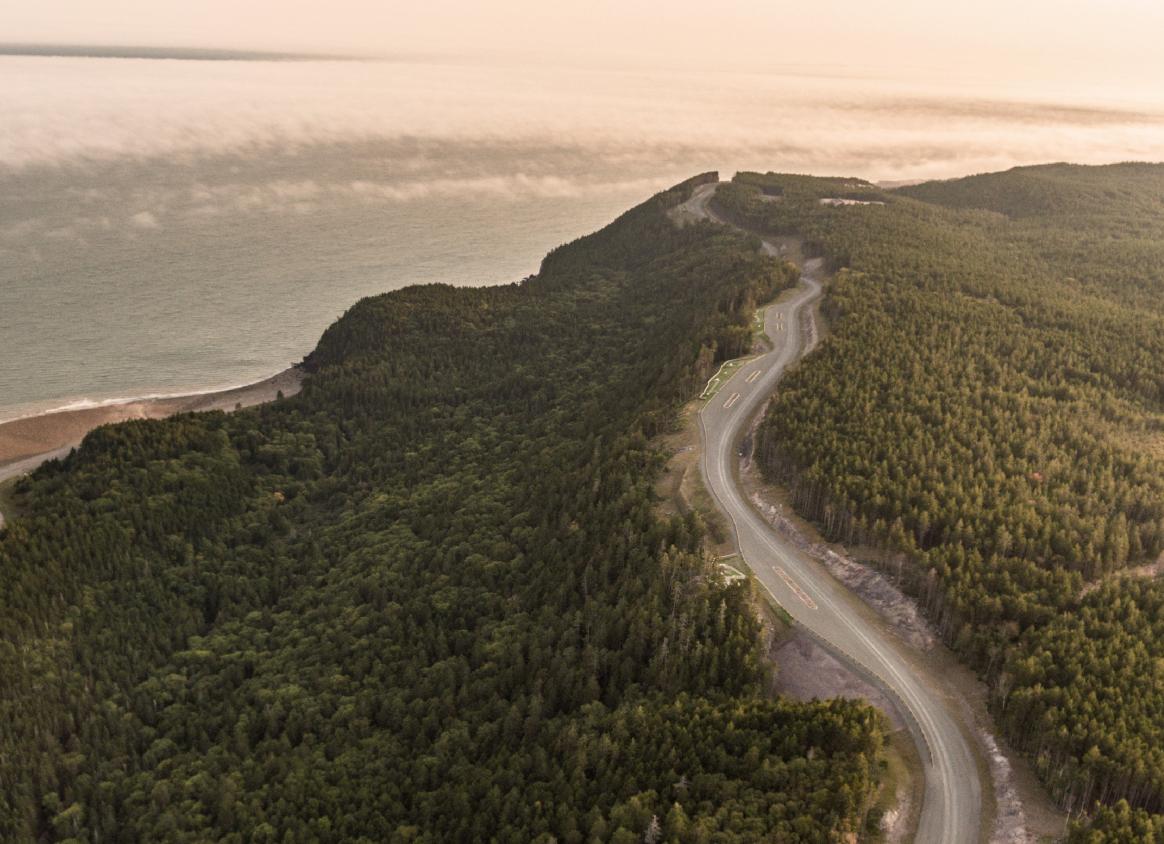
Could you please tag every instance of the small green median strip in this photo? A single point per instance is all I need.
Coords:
(726, 371)
(758, 325)
(728, 368)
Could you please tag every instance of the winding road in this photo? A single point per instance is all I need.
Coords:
(952, 804)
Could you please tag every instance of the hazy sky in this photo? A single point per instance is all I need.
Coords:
(1037, 40)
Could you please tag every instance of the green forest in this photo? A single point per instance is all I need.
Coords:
(989, 408)
(430, 599)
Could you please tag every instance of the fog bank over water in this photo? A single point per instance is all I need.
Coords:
(170, 225)
(62, 109)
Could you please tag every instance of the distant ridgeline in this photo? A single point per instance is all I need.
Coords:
(428, 599)
(991, 402)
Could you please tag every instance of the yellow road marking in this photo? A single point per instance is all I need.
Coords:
(796, 590)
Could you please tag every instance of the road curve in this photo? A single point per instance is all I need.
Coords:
(952, 804)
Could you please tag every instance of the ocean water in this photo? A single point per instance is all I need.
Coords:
(170, 226)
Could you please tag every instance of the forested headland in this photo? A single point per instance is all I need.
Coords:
(429, 598)
(989, 408)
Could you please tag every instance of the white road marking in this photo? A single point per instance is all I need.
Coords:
(735, 397)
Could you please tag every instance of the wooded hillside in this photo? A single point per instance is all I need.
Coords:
(427, 599)
(990, 402)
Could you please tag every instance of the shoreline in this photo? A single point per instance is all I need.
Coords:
(28, 441)
(34, 411)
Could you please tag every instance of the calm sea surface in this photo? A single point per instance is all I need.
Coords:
(170, 226)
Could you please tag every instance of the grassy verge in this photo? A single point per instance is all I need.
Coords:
(901, 789)
(680, 488)
(719, 535)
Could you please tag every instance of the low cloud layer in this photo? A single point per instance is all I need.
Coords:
(69, 110)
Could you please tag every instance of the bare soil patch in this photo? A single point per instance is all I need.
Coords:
(806, 671)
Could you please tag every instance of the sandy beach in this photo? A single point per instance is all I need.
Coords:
(26, 443)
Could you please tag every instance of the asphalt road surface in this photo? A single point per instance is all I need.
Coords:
(952, 804)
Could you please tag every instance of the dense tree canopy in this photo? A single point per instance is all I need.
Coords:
(428, 599)
(991, 402)
(1118, 824)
